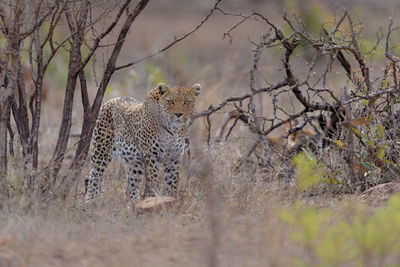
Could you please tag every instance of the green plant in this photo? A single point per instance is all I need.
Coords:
(330, 239)
(309, 172)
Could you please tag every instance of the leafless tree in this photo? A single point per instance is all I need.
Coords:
(77, 23)
(22, 22)
(368, 100)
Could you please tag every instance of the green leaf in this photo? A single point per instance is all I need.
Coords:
(364, 136)
(367, 165)
(372, 132)
(370, 143)
(389, 162)
(381, 153)
(339, 143)
(380, 130)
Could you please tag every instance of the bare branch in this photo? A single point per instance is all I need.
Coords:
(177, 40)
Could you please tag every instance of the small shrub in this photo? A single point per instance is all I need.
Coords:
(308, 171)
(330, 239)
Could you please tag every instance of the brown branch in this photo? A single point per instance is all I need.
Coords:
(11, 141)
(74, 68)
(105, 33)
(88, 125)
(39, 21)
(228, 100)
(235, 114)
(359, 57)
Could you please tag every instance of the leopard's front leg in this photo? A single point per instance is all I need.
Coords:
(152, 176)
(173, 163)
(171, 175)
(136, 174)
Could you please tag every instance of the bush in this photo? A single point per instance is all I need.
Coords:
(330, 238)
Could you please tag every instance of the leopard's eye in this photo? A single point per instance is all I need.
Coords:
(187, 102)
(171, 102)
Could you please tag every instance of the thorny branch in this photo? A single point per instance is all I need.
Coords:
(322, 108)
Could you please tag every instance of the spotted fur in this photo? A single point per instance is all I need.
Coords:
(143, 136)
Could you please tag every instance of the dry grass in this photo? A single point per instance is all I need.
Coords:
(235, 219)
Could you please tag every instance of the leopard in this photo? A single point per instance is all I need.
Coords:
(144, 136)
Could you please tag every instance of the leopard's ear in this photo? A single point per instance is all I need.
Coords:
(196, 89)
(162, 88)
(159, 91)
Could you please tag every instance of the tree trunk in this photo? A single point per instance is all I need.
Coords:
(65, 127)
(4, 119)
(74, 68)
(84, 143)
(90, 119)
(33, 148)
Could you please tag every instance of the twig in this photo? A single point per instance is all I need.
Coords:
(172, 43)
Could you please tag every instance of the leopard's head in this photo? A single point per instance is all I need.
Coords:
(177, 102)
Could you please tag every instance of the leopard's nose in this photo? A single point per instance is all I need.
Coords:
(178, 114)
